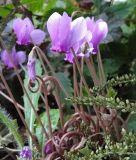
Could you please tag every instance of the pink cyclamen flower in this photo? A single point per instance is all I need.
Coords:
(31, 66)
(17, 57)
(99, 30)
(26, 33)
(66, 34)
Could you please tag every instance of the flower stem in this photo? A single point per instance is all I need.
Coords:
(11, 100)
(24, 89)
(100, 67)
(15, 104)
(87, 88)
(51, 68)
(92, 71)
(81, 74)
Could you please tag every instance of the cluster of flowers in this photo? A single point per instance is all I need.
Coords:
(25, 34)
(66, 34)
(82, 34)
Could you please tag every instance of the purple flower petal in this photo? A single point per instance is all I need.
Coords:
(59, 29)
(37, 36)
(17, 57)
(69, 57)
(64, 30)
(21, 57)
(90, 24)
(99, 30)
(53, 26)
(26, 153)
(31, 67)
(5, 59)
(23, 38)
(28, 23)
(17, 24)
(88, 36)
(22, 29)
(78, 30)
(66, 34)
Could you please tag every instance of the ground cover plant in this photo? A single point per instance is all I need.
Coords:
(67, 80)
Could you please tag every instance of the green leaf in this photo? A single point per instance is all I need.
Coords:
(122, 10)
(111, 67)
(54, 115)
(29, 113)
(33, 96)
(34, 5)
(132, 123)
(12, 127)
(5, 10)
(128, 30)
(65, 81)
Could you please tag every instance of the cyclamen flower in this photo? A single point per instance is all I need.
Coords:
(66, 33)
(17, 57)
(99, 30)
(26, 153)
(26, 33)
(31, 66)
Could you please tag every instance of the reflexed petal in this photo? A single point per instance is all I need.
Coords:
(28, 23)
(23, 28)
(5, 58)
(59, 29)
(64, 27)
(53, 26)
(90, 24)
(14, 56)
(101, 30)
(17, 24)
(31, 68)
(88, 36)
(21, 57)
(78, 30)
(17, 57)
(23, 38)
(37, 36)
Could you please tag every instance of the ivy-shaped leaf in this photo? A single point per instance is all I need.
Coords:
(54, 116)
(65, 81)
